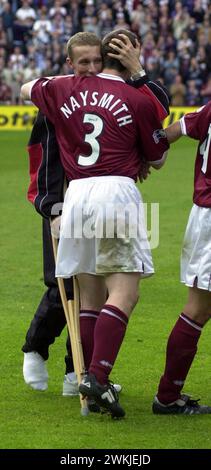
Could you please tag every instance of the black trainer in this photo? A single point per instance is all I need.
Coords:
(184, 405)
(104, 395)
(92, 405)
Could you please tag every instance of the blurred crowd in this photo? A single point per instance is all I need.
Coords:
(175, 38)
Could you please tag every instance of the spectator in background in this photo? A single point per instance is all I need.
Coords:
(88, 14)
(42, 28)
(105, 19)
(58, 8)
(148, 46)
(198, 10)
(177, 92)
(5, 92)
(184, 64)
(137, 18)
(192, 29)
(120, 22)
(68, 27)
(154, 65)
(57, 57)
(57, 28)
(47, 72)
(205, 28)
(194, 72)
(170, 66)
(180, 21)
(206, 91)
(185, 43)
(8, 18)
(203, 65)
(192, 94)
(17, 59)
(15, 87)
(3, 36)
(181, 27)
(31, 72)
(164, 24)
(170, 43)
(75, 13)
(25, 17)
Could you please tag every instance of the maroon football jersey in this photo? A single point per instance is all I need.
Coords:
(198, 126)
(103, 126)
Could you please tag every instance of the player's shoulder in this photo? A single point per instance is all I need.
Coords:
(206, 109)
(62, 78)
(205, 115)
(204, 112)
(58, 82)
(139, 99)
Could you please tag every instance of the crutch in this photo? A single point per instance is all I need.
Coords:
(71, 310)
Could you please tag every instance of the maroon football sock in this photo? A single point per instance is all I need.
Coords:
(108, 336)
(181, 349)
(88, 320)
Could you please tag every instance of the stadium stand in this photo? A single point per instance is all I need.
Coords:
(175, 38)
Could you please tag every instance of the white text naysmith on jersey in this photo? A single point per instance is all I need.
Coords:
(106, 101)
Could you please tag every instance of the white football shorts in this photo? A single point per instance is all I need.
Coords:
(196, 251)
(103, 229)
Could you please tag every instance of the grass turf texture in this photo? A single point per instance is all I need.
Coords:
(31, 419)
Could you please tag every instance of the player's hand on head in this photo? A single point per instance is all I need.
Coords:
(126, 53)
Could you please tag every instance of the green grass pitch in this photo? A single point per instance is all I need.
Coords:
(34, 420)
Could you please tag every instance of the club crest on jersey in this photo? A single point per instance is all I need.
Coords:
(159, 134)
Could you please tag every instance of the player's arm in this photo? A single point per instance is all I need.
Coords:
(173, 132)
(26, 89)
(42, 93)
(157, 165)
(189, 125)
(157, 93)
(153, 145)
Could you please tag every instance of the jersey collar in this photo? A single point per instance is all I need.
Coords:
(108, 76)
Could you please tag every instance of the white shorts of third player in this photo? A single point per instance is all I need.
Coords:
(196, 251)
(103, 228)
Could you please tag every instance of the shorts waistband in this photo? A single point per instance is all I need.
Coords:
(99, 179)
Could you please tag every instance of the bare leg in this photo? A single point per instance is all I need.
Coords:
(123, 291)
(93, 291)
(198, 306)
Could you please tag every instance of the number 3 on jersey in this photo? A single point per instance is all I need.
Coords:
(204, 150)
(91, 139)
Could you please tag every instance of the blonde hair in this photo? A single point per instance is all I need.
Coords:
(82, 39)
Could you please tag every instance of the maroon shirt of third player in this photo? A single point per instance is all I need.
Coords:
(198, 126)
(103, 126)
